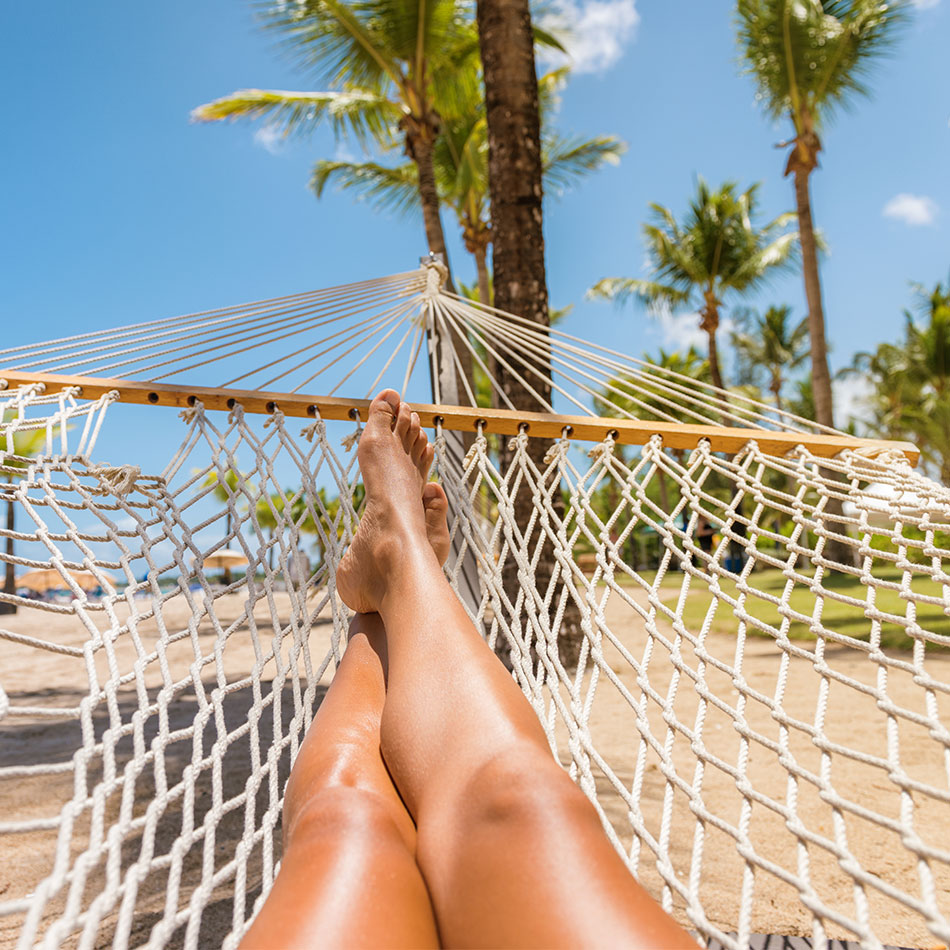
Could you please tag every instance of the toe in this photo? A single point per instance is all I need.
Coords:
(434, 498)
(415, 427)
(418, 450)
(403, 422)
(383, 410)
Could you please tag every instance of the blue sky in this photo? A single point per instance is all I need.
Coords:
(117, 209)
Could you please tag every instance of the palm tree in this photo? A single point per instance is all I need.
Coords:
(716, 250)
(910, 381)
(515, 186)
(769, 342)
(810, 57)
(460, 160)
(25, 445)
(626, 392)
(394, 71)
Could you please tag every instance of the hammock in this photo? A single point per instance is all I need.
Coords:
(732, 623)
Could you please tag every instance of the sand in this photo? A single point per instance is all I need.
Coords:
(854, 720)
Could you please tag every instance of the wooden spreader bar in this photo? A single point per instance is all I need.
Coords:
(465, 418)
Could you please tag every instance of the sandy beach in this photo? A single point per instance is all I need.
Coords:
(47, 681)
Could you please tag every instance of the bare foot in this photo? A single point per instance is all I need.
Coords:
(394, 457)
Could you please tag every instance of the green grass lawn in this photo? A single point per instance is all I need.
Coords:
(842, 618)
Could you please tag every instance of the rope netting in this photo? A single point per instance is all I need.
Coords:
(756, 702)
(767, 750)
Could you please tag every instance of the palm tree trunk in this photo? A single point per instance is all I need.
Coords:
(820, 375)
(714, 370)
(835, 550)
(480, 253)
(420, 148)
(452, 389)
(776, 388)
(514, 176)
(9, 583)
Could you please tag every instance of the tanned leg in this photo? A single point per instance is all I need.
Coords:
(348, 876)
(512, 852)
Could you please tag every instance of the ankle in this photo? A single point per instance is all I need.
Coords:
(415, 575)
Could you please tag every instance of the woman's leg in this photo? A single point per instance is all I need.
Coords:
(512, 852)
(348, 875)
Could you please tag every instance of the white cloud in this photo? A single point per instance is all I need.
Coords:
(680, 331)
(597, 32)
(271, 138)
(913, 210)
(850, 396)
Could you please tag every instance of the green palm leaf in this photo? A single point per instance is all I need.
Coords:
(566, 160)
(368, 116)
(387, 188)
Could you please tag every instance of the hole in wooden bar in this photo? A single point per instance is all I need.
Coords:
(271, 406)
(481, 425)
(524, 427)
(153, 397)
(437, 421)
(231, 403)
(354, 413)
(191, 400)
(311, 410)
(614, 434)
(567, 431)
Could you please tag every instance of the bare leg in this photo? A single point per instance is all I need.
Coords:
(512, 852)
(349, 876)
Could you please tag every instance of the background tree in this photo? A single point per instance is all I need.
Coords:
(515, 171)
(634, 395)
(460, 160)
(768, 343)
(809, 57)
(716, 250)
(395, 70)
(25, 445)
(910, 381)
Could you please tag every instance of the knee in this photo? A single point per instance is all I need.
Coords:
(522, 788)
(342, 811)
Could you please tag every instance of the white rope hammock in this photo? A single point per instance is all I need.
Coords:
(761, 725)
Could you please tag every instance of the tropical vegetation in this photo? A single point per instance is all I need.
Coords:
(715, 251)
(909, 380)
(810, 58)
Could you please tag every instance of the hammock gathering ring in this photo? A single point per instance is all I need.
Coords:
(757, 692)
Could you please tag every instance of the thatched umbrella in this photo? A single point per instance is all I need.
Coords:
(225, 558)
(49, 578)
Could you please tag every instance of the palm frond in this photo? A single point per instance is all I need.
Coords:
(621, 289)
(814, 55)
(370, 117)
(384, 187)
(565, 160)
(336, 42)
